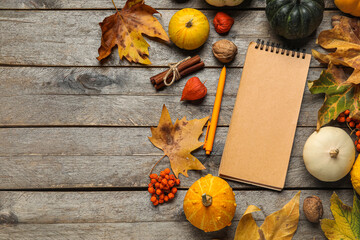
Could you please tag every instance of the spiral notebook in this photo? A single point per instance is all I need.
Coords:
(262, 128)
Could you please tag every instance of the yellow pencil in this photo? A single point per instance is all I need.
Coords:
(211, 127)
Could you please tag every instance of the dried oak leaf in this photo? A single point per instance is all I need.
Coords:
(178, 141)
(347, 220)
(125, 29)
(280, 225)
(341, 93)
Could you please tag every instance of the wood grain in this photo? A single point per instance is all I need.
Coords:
(109, 212)
(100, 141)
(38, 172)
(112, 97)
(49, 43)
(102, 157)
(113, 207)
(139, 230)
(106, 4)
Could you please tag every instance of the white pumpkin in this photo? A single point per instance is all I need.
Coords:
(221, 3)
(329, 154)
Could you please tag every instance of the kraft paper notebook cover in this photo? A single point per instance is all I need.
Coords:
(262, 128)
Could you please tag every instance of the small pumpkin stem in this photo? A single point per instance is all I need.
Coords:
(206, 200)
(334, 153)
(189, 23)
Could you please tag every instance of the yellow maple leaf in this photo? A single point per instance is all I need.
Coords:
(178, 141)
(125, 29)
(346, 225)
(280, 225)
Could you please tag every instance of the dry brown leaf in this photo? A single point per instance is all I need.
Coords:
(341, 92)
(345, 38)
(125, 29)
(280, 225)
(178, 141)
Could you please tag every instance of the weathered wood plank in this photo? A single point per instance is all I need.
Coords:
(103, 141)
(68, 110)
(106, 4)
(30, 172)
(101, 157)
(112, 97)
(49, 43)
(135, 206)
(89, 81)
(141, 230)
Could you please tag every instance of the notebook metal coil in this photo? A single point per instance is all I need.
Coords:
(276, 48)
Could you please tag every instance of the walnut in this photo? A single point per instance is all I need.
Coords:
(313, 209)
(224, 50)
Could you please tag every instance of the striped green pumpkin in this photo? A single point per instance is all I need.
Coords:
(294, 19)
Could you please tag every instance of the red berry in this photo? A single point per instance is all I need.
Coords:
(172, 176)
(174, 190)
(348, 119)
(157, 185)
(164, 181)
(151, 190)
(153, 176)
(171, 183)
(171, 195)
(347, 112)
(167, 170)
(161, 201)
(161, 196)
(162, 173)
(341, 119)
(357, 133)
(352, 124)
(153, 199)
(177, 181)
(158, 191)
(166, 198)
(156, 202)
(153, 180)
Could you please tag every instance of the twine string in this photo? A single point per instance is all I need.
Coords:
(173, 68)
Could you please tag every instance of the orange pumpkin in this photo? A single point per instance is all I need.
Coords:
(349, 6)
(209, 204)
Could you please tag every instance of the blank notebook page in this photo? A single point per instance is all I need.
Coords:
(265, 115)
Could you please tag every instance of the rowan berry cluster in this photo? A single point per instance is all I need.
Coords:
(162, 187)
(353, 124)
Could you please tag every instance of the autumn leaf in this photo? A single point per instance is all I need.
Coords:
(341, 92)
(346, 225)
(280, 225)
(125, 29)
(339, 95)
(178, 141)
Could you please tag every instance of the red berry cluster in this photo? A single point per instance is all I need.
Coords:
(353, 124)
(162, 187)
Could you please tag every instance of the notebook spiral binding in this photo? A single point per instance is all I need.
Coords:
(276, 47)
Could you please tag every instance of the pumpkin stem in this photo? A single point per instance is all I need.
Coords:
(206, 200)
(189, 23)
(334, 153)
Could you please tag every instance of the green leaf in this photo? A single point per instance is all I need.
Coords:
(347, 220)
(339, 95)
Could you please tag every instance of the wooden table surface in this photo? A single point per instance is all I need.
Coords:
(74, 148)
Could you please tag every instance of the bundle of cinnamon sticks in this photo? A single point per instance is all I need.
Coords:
(185, 68)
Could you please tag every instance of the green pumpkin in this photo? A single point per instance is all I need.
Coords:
(294, 19)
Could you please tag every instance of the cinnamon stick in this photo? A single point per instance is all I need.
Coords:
(183, 73)
(158, 78)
